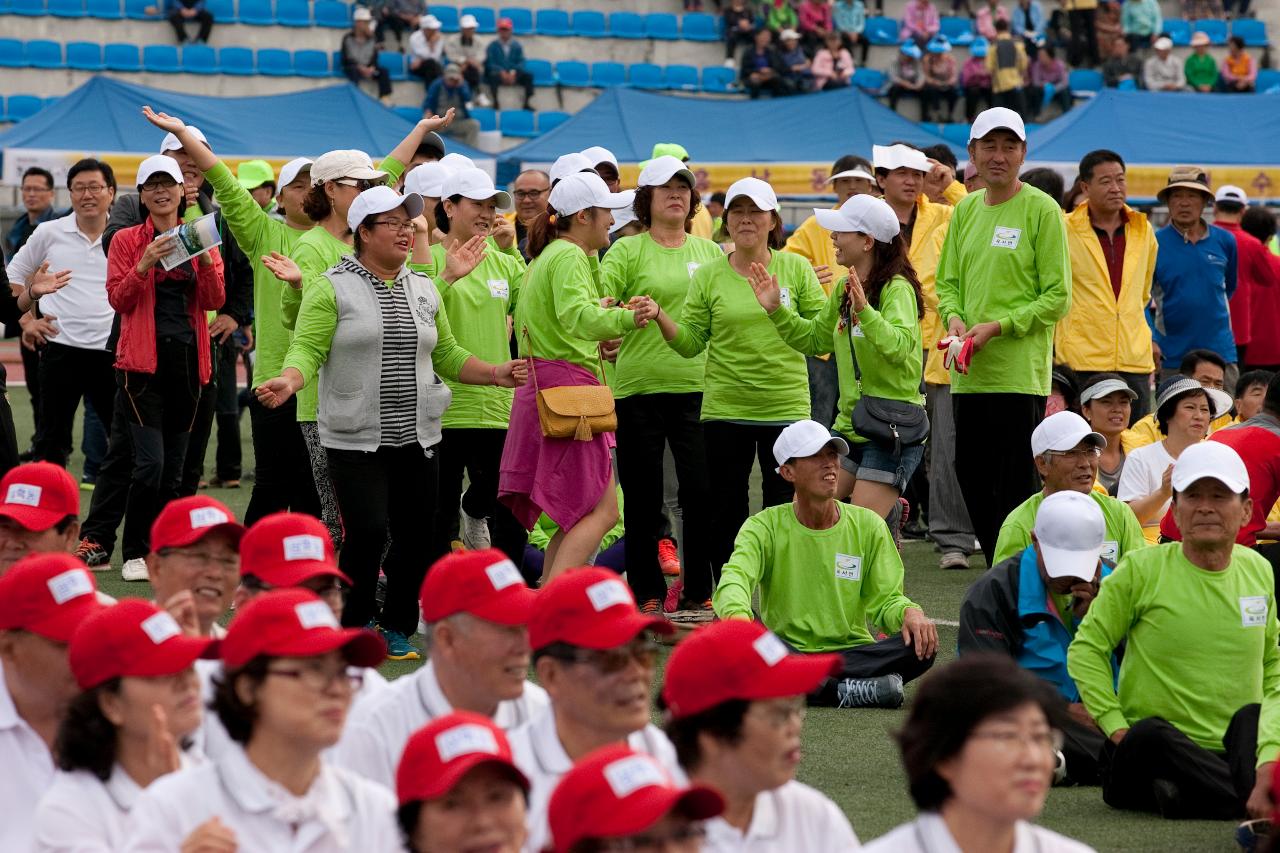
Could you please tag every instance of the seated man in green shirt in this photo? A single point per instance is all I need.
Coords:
(1066, 452)
(823, 569)
(1194, 723)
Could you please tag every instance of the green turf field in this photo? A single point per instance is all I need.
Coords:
(849, 754)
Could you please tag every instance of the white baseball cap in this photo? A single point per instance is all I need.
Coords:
(468, 22)
(598, 154)
(1227, 192)
(1061, 432)
(380, 200)
(805, 438)
(567, 164)
(361, 14)
(289, 171)
(788, 35)
(1070, 532)
(344, 163)
(1103, 387)
(892, 157)
(429, 22)
(582, 190)
(659, 170)
(1163, 43)
(756, 190)
(474, 184)
(427, 179)
(997, 118)
(864, 214)
(158, 164)
(171, 143)
(622, 218)
(1213, 460)
(457, 161)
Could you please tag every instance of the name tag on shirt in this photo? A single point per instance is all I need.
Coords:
(1006, 238)
(1110, 551)
(1253, 610)
(848, 567)
(784, 296)
(498, 288)
(692, 267)
(857, 331)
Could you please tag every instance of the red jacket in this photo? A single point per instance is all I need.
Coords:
(1256, 282)
(134, 298)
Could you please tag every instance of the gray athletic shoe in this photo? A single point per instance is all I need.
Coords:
(882, 692)
(475, 533)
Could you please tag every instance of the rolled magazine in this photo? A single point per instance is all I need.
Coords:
(191, 239)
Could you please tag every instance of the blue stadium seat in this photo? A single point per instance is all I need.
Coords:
(487, 116)
(66, 8)
(394, 63)
(589, 24)
(551, 119)
(517, 123)
(332, 14)
(275, 62)
(956, 134)
(23, 106)
(312, 63)
(336, 64)
(521, 19)
(717, 78)
(486, 21)
(1178, 30)
(699, 26)
(84, 56)
(1253, 31)
(223, 11)
(257, 13)
(136, 10)
(43, 54)
(571, 73)
(1268, 80)
(48, 102)
(121, 57)
(626, 25)
(448, 16)
(958, 30)
(293, 13)
(542, 71)
(30, 8)
(1214, 28)
(869, 80)
(1085, 82)
(606, 74)
(881, 30)
(1127, 85)
(661, 26)
(160, 59)
(11, 54)
(199, 59)
(551, 22)
(682, 78)
(237, 61)
(106, 10)
(646, 75)
(413, 114)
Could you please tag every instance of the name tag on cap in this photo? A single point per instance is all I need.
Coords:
(770, 648)
(72, 583)
(1253, 610)
(498, 288)
(304, 546)
(160, 627)
(1006, 238)
(632, 773)
(24, 493)
(207, 516)
(605, 594)
(315, 614)
(503, 575)
(464, 740)
(848, 567)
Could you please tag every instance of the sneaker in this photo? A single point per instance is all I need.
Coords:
(475, 533)
(483, 100)
(398, 646)
(904, 516)
(882, 692)
(93, 555)
(694, 612)
(729, 63)
(668, 556)
(134, 570)
(651, 607)
(954, 560)
(219, 483)
(1254, 834)
(672, 602)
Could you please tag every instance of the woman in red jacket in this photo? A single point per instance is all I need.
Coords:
(162, 354)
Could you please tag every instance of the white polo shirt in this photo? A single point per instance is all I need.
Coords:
(80, 812)
(83, 314)
(378, 729)
(340, 812)
(793, 817)
(26, 772)
(539, 754)
(929, 834)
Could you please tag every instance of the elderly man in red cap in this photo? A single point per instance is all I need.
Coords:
(39, 512)
(194, 564)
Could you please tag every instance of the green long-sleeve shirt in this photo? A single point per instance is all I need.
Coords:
(1009, 263)
(1124, 533)
(1201, 70)
(1200, 646)
(818, 588)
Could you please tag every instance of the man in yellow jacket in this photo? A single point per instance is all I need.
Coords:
(1113, 259)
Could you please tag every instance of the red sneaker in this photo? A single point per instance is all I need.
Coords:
(672, 602)
(668, 557)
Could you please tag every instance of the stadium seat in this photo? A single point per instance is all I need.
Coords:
(1178, 30)
(66, 8)
(487, 116)
(275, 62)
(336, 64)
(199, 59)
(1085, 82)
(717, 78)
(43, 54)
(576, 74)
(542, 71)
(257, 13)
(881, 30)
(160, 59)
(682, 78)
(661, 26)
(1214, 28)
(394, 63)
(448, 17)
(29, 8)
(121, 57)
(11, 54)
(223, 11)
(48, 102)
(293, 13)
(551, 119)
(626, 25)
(312, 63)
(699, 26)
(84, 56)
(332, 14)
(1127, 85)
(646, 75)
(606, 74)
(589, 24)
(1253, 31)
(136, 10)
(486, 21)
(22, 107)
(1268, 81)
(237, 61)
(413, 114)
(521, 19)
(517, 123)
(551, 22)
(869, 80)
(956, 134)
(106, 10)
(958, 30)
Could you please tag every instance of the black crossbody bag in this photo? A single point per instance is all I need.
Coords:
(892, 424)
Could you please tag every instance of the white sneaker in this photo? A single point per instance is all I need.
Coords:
(475, 533)
(729, 63)
(135, 570)
(483, 100)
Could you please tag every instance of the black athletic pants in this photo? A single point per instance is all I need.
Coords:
(731, 449)
(478, 453)
(67, 374)
(282, 467)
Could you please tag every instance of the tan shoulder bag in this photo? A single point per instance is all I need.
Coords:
(580, 412)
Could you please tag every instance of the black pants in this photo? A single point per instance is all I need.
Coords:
(112, 497)
(1205, 785)
(202, 17)
(427, 72)
(8, 436)
(67, 374)
(731, 449)
(282, 467)
(1083, 50)
(734, 39)
(993, 457)
(380, 77)
(219, 404)
(1035, 100)
(478, 453)
(523, 79)
(934, 96)
(1011, 99)
(31, 369)
(897, 92)
(1082, 746)
(973, 96)
(647, 423)
(773, 86)
(872, 661)
(389, 489)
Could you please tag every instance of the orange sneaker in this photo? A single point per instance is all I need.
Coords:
(668, 556)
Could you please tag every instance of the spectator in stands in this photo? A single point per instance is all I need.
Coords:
(1264, 352)
(1161, 72)
(465, 50)
(451, 92)
(179, 12)
(1141, 22)
(920, 21)
(1106, 402)
(739, 29)
(832, 64)
(761, 69)
(37, 202)
(975, 80)
(1049, 83)
(1201, 68)
(1107, 26)
(815, 22)
(850, 20)
(1007, 62)
(1083, 50)
(1121, 65)
(987, 16)
(504, 64)
(906, 77)
(1194, 10)
(360, 55)
(1236, 8)
(796, 62)
(1239, 72)
(941, 74)
(1258, 270)
(399, 16)
(781, 16)
(427, 53)
(1028, 23)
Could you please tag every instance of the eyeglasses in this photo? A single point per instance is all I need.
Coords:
(87, 189)
(1009, 740)
(359, 183)
(652, 841)
(227, 564)
(779, 715)
(152, 186)
(318, 676)
(36, 188)
(1076, 454)
(642, 650)
(398, 225)
(525, 195)
(325, 587)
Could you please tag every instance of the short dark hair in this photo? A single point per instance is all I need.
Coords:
(88, 164)
(38, 172)
(643, 206)
(1096, 158)
(1046, 180)
(357, 244)
(441, 218)
(316, 203)
(238, 717)
(1193, 358)
(943, 154)
(86, 739)
(951, 702)
(1069, 383)
(1236, 41)
(407, 818)
(1165, 413)
(723, 722)
(1002, 25)
(1272, 401)
(1252, 377)
(1228, 205)
(717, 198)
(65, 523)
(1259, 222)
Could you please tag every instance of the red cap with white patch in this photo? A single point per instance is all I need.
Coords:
(590, 608)
(186, 521)
(296, 623)
(47, 594)
(483, 583)
(133, 638)
(440, 753)
(287, 548)
(38, 495)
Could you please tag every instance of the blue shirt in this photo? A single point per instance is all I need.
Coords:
(1193, 282)
(1027, 22)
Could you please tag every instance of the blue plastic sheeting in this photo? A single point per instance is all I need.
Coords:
(105, 115)
(1165, 127)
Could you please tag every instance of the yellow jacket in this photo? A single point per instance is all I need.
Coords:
(932, 222)
(813, 242)
(1079, 5)
(1101, 332)
(701, 225)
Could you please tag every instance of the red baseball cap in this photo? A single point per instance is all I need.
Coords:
(483, 583)
(133, 638)
(38, 495)
(615, 792)
(296, 623)
(506, 24)
(440, 753)
(590, 608)
(287, 548)
(738, 659)
(186, 521)
(47, 594)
